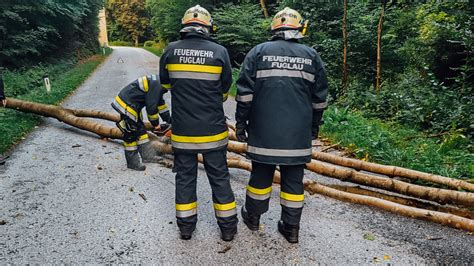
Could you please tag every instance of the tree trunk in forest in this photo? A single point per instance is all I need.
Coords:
(264, 8)
(378, 77)
(136, 42)
(345, 73)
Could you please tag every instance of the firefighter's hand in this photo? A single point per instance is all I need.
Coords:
(163, 129)
(241, 134)
(4, 102)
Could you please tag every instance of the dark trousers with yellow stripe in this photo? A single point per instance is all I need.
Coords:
(291, 195)
(215, 164)
(137, 136)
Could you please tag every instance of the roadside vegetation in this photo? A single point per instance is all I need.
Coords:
(45, 38)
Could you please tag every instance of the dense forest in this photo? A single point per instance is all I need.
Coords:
(35, 31)
(425, 50)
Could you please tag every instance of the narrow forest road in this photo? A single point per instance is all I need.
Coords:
(67, 197)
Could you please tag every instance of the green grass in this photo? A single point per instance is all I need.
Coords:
(158, 51)
(392, 144)
(65, 77)
(235, 76)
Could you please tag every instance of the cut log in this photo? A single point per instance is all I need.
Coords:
(405, 201)
(433, 216)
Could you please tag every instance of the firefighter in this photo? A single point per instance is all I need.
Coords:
(197, 71)
(281, 96)
(145, 92)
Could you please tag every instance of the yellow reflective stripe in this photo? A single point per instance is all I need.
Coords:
(259, 191)
(153, 117)
(145, 84)
(130, 144)
(142, 137)
(125, 106)
(225, 207)
(292, 197)
(186, 207)
(162, 107)
(166, 86)
(195, 68)
(200, 139)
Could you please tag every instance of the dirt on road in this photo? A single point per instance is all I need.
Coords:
(67, 197)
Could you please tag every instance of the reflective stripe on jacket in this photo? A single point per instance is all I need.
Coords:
(145, 92)
(197, 71)
(281, 84)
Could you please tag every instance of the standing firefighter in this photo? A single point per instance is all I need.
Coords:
(281, 97)
(145, 92)
(198, 72)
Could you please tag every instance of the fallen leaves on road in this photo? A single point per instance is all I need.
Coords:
(3, 222)
(434, 238)
(143, 196)
(76, 146)
(369, 236)
(226, 248)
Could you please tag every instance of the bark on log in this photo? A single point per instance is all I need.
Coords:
(387, 170)
(405, 201)
(433, 216)
(392, 171)
(439, 195)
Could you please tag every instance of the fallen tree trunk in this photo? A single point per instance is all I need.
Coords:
(405, 201)
(433, 216)
(105, 131)
(387, 170)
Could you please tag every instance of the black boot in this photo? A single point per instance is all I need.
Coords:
(133, 160)
(228, 235)
(252, 221)
(186, 234)
(290, 232)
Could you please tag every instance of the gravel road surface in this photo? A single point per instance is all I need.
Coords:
(67, 197)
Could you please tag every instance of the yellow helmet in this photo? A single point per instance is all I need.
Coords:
(289, 19)
(197, 15)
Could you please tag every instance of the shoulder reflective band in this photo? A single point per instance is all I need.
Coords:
(244, 98)
(285, 73)
(186, 210)
(200, 139)
(291, 200)
(166, 86)
(127, 110)
(194, 68)
(279, 152)
(320, 105)
(145, 84)
(259, 194)
(130, 146)
(143, 139)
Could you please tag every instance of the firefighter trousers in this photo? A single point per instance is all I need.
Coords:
(215, 164)
(291, 194)
(134, 134)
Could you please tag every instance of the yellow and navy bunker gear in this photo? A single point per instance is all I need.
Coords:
(198, 73)
(281, 94)
(291, 195)
(145, 92)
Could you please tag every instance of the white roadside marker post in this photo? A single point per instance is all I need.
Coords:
(47, 83)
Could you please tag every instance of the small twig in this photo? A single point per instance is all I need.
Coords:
(330, 147)
(142, 196)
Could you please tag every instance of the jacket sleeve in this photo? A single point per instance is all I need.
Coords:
(226, 76)
(152, 101)
(245, 88)
(319, 94)
(164, 75)
(163, 108)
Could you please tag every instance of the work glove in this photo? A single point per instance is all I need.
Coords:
(240, 132)
(163, 130)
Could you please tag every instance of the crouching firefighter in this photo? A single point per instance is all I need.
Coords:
(198, 73)
(145, 92)
(281, 96)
